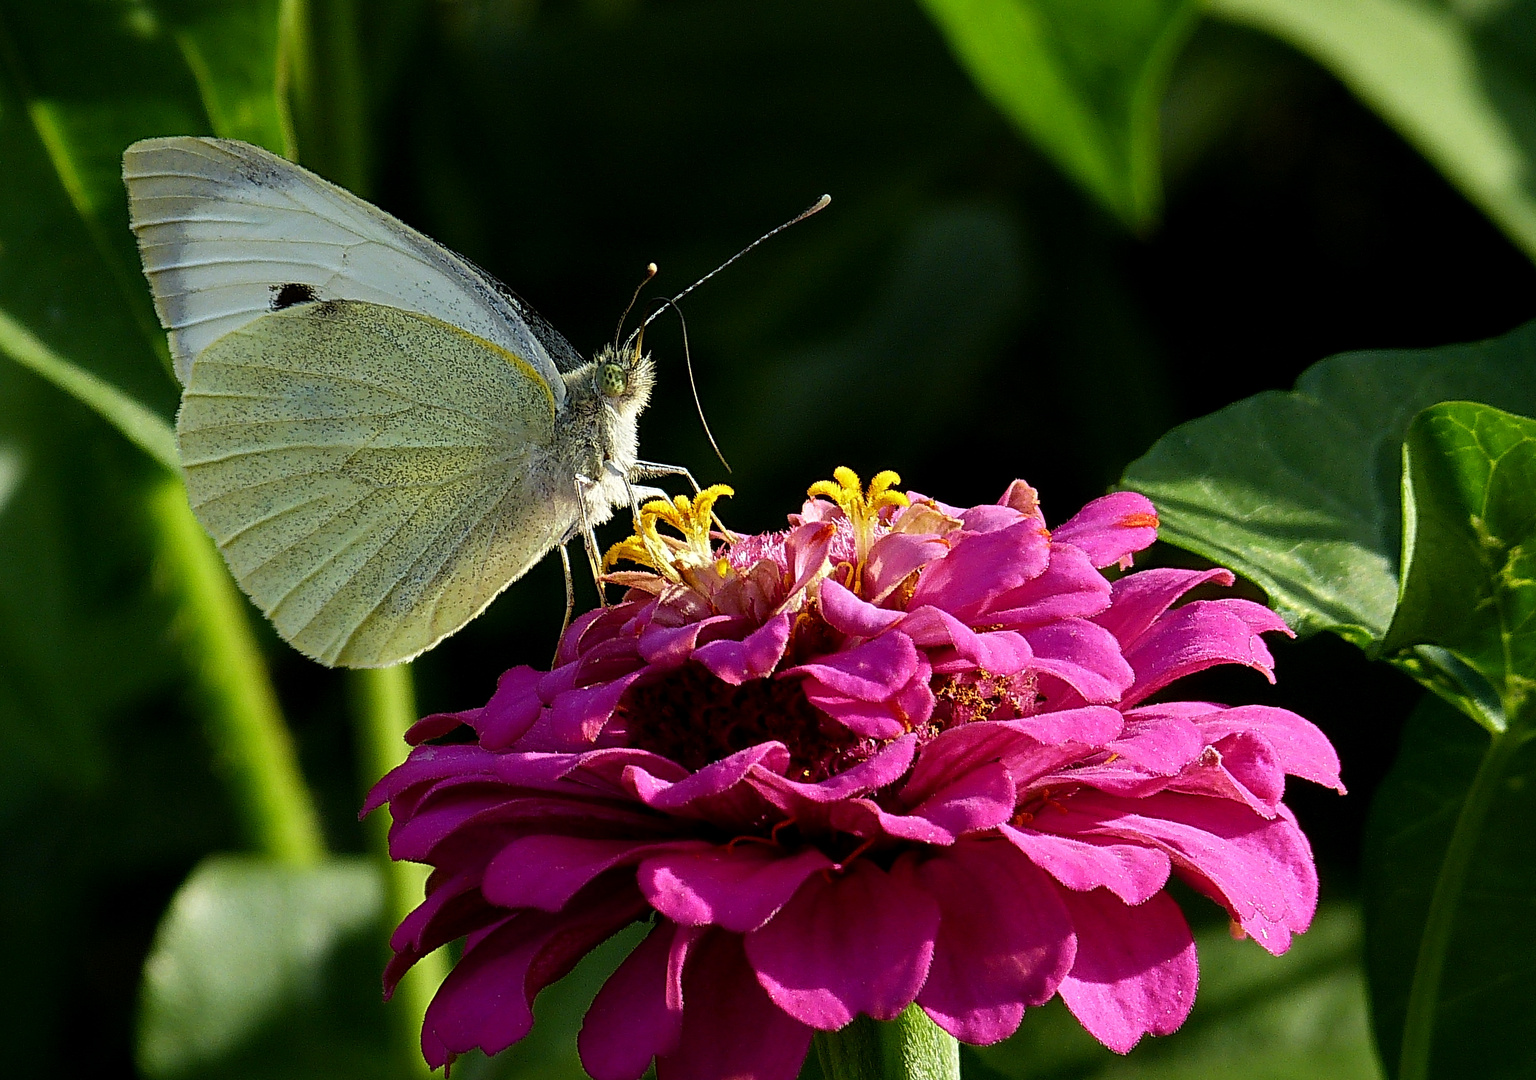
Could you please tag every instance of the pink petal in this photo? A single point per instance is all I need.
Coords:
(1201, 634)
(1132, 872)
(868, 672)
(1000, 653)
(1005, 940)
(858, 941)
(753, 657)
(1140, 598)
(545, 871)
(577, 716)
(847, 614)
(715, 789)
(1301, 748)
(731, 1030)
(894, 556)
(486, 1001)
(738, 888)
(664, 647)
(1083, 655)
(982, 567)
(1135, 971)
(1071, 588)
(1111, 529)
(638, 1014)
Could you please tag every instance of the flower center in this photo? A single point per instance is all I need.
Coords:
(694, 718)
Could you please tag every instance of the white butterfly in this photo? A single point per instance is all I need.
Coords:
(379, 435)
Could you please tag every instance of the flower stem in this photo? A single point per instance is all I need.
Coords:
(911, 1047)
(384, 706)
(244, 721)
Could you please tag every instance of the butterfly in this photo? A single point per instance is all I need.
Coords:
(379, 435)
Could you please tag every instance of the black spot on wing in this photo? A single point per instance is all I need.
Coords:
(287, 296)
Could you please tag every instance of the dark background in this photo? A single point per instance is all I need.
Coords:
(962, 314)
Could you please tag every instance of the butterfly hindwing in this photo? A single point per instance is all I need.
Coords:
(369, 473)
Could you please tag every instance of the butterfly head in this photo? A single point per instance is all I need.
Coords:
(624, 375)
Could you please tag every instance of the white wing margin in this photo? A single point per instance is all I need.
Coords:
(222, 225)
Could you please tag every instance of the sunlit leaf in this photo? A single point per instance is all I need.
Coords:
(1083, 78)
(1458, 80)
(246, 944)
(1300, 492)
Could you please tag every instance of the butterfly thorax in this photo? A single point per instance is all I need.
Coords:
(603, 402)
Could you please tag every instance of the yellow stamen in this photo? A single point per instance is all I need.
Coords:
(670, 555)
(862, 508)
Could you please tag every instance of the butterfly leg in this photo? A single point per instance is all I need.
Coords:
(570, 592)
(589, 537)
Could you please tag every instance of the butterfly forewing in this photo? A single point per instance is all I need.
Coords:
(223, 226)
(366, 472)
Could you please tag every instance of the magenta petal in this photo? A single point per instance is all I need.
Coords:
(893, 557)
(730, 1027)
(982, 799)
(753, 657)
(1139, 599)
(486, 1001)
(544, 871)
(856, 942)
(1111, 529)
(638, 1014)
(1071, 588)
(1301, 748)
(668, 646)
(512, 709)
(1005, 941)
(577, 716)
(1083, 655)
(738, 888)
(982, 567)
(868, 672)
(1132, 872)
(1135, 972)
(1199, 635)
(847, 614)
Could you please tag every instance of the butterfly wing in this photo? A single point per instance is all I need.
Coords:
(370, 474)
(224, 226)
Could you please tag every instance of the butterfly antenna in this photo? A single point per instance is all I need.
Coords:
(688, 363)
(650, 272)
(819, 205)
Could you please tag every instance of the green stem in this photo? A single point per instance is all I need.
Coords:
(911, 1047)
(384, 706)
(245, 723)
(1424, 995)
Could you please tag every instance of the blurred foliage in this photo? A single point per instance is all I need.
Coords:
(1456, 77)
(971, 308)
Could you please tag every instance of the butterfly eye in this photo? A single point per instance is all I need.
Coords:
(612, 380)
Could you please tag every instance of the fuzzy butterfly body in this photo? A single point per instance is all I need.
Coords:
(379, 436)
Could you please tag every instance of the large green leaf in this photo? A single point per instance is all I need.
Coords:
(1259, 1017)
(244, 979)
(1457, 79)
(1299, 491)
(1453, 850)
(1082, 78)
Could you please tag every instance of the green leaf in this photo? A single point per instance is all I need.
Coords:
(1450, 869)
(1294, 1017)
(1300, 492)
(245, 943)
(1469, 553)
(233, 50)
(1083, 78)
(1458, 80)
(140, 425)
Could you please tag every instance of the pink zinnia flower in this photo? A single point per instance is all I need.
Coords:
(900, 752)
